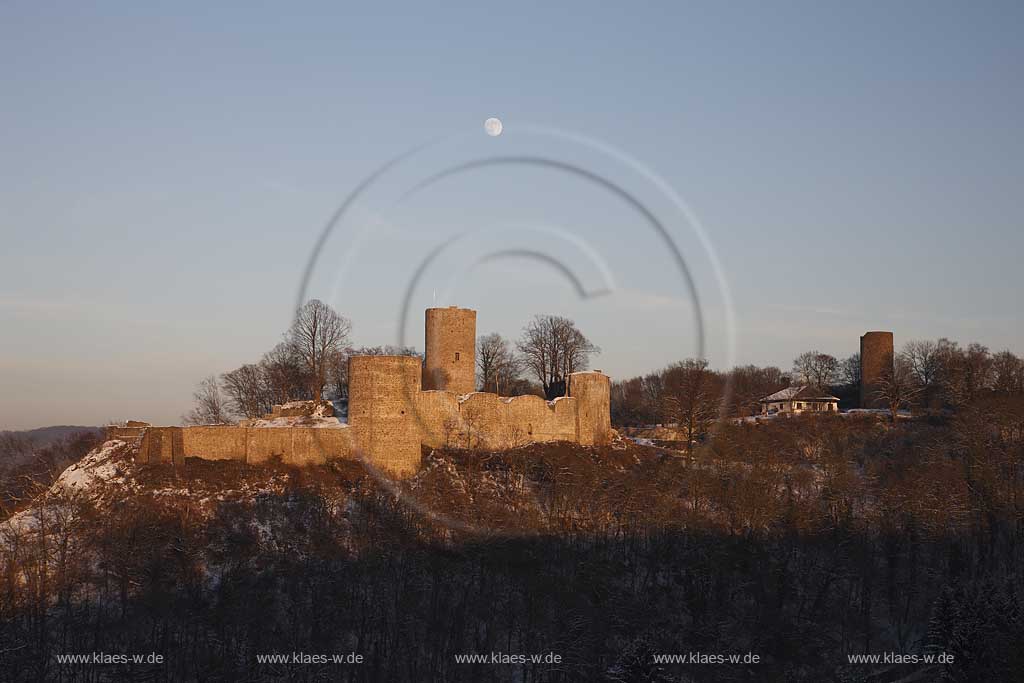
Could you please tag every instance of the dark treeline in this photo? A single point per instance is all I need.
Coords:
(803, 541)
(692, 394)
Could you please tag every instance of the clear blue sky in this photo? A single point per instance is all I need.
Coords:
(164, 173)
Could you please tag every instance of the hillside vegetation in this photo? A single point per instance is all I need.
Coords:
(803, 541)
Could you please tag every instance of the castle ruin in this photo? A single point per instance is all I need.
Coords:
(876, 359)
(397, 405)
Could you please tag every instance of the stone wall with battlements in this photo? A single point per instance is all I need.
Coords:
(255, 445)
(488, 421)
(390, 418)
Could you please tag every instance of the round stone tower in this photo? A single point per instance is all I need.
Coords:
(876, 357)
(382, 394)
(450, 347)
(592, 391)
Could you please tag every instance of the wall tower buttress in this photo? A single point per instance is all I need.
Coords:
(383, 392)
(592, 391)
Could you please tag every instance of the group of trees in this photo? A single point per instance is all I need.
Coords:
(499, 368)
(693, 395)
(948, 375)
(550, 349)
(308, 362)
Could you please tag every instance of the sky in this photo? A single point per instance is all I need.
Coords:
(820, 169)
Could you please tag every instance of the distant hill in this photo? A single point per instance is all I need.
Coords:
(19, 447)
(44, 436)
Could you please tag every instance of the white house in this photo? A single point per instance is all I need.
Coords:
(801, 399)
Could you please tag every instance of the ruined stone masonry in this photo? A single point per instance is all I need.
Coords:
(396, 405)
(876, 359)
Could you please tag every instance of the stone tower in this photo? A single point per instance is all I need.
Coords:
(450, 362)
(592, 391)
(382, 394)
(876, 357)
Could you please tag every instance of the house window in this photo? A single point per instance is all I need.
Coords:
(456, 355)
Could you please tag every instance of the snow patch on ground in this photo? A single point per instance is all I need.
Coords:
(318, 422)
(875, 411)
(96, 467)
(81, 478)
(20, 524)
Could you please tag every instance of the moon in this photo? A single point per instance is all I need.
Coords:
(493, 127)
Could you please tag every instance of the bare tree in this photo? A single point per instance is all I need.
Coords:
(286, 374)
(627, 402)
(948, 378)
(816, 368)
(963, 372)
(978, 368)
(750, 384)
(849, 370)
(691, 397)
(210, 407)
(496, 362)
(337, 373)
(653, 390)
(248, 390)
(1008, 372)
(925, 361)
(552, 348)
(897, 386)
(316, 335)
